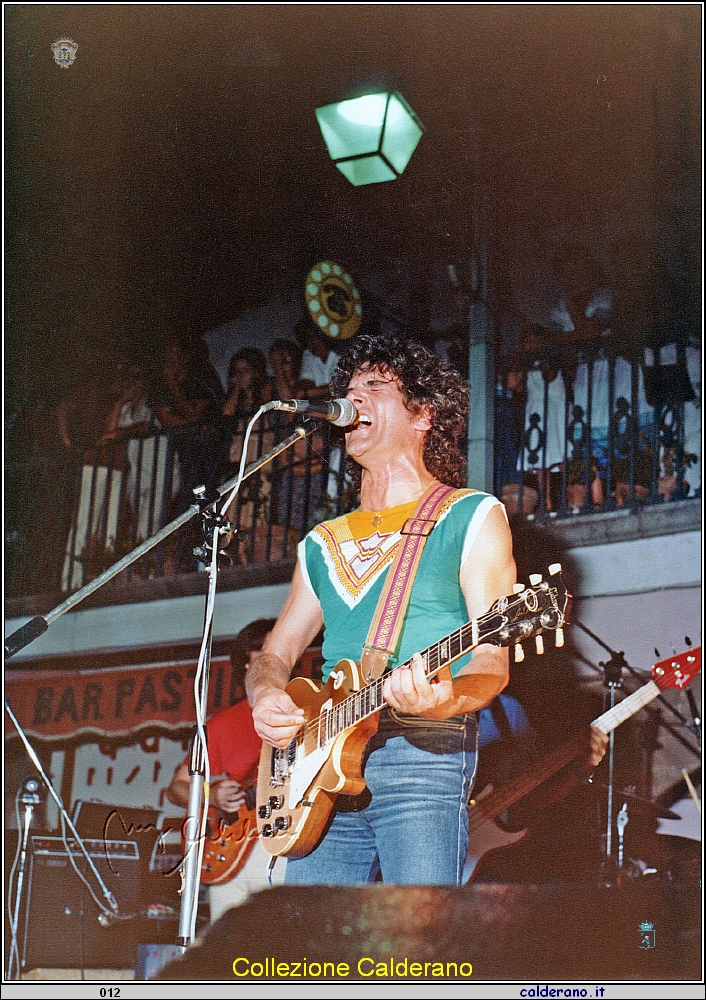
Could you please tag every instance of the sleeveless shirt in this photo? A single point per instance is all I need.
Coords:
(344, 563)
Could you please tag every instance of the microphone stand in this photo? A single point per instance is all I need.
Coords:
(38, 625)
(213, 524)
(612, 671)
(29, 799)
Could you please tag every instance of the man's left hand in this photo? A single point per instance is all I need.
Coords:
(597, 746)
(408, 691)
(227, 795)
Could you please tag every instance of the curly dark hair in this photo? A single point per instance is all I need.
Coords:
(425, 380)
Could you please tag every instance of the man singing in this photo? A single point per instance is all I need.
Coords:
(410, 824)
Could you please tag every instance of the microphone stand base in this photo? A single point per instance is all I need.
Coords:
(152, 958)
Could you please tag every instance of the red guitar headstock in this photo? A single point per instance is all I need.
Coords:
(677, 671)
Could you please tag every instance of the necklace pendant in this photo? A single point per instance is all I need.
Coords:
(376, 521)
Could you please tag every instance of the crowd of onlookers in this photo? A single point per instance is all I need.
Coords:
(582, 423)
(587, 422)
(144, 436)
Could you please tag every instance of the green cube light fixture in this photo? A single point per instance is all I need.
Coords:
(370, 139)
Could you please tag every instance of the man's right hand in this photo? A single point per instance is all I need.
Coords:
(277, 719)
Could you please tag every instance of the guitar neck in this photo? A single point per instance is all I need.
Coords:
(611, 719)
(502, 798)
(499, 626)
(370, 700)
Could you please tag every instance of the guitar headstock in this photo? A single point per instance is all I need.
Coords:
(677, 671)
(543, 606)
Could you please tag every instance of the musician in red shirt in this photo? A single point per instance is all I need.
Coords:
(233, 750)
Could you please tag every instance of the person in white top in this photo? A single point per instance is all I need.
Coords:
(318, 363)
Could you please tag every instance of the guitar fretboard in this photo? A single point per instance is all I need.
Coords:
(627, 707)
(368, 700)
(518, 616)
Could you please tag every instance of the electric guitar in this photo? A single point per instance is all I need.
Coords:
(230, 837)
(485, 835)
(297, 785)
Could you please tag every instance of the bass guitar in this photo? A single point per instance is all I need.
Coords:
(485, 835)
(230, 837)
(297, 786)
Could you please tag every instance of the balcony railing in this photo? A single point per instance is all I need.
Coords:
(585, 430)
(72, 516)
(576, 432)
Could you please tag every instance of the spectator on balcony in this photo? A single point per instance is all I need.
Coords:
(285, 358)
(187, 390)
(98, 418)
(248, 385)
(611, 421)
(248, 389)
(131, 421)
(692, 423)
(186, 399)
(318, 361)
(545, 418)
(510, 412)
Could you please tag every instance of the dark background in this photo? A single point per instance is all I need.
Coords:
(175, 175)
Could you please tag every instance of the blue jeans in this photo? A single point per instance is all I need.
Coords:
(411, 825)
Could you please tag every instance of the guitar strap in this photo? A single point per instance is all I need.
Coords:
(386, 626)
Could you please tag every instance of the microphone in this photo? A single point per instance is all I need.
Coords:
(340, 412)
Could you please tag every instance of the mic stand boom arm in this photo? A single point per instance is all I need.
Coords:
(38, 625)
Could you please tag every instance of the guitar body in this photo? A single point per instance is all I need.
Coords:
(484, 835)
(297, 786)
(229, 838)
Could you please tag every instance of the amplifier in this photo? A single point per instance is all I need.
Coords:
(61, 925)
(108, 850)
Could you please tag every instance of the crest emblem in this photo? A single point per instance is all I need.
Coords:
(648, 935)
(64, 50)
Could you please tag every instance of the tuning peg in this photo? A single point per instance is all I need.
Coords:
(517, 588)
(657, 653)
(554, 569)
(687, 640)
(559, 637)
(539, 643)
(519, 652)
(535, 578)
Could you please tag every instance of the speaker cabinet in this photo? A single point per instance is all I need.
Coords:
(61, 925)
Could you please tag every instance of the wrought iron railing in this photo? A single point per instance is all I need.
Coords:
(586, 430)
(71, 516)
(583, 431)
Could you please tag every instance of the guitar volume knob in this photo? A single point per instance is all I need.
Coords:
(263, 812)
(283, 823)
(267, 830)
(276, 801)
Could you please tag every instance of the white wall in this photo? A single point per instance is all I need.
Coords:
(643, 598)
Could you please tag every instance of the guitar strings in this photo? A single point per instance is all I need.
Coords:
(432, 650)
